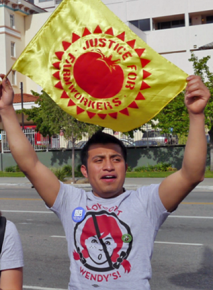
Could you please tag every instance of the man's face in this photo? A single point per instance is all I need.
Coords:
(105, 170)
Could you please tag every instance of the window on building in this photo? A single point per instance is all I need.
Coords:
(209, 19)
(14, 81)
(142, 24)
(171, 24)
(12, 21)
(13, 49)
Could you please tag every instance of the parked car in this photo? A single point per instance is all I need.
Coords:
(80, 144)
(128, 142)
(160, 138)
(145, 143)
(69, 145)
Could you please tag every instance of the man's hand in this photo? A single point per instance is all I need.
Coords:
(6, 93)
(197, 95)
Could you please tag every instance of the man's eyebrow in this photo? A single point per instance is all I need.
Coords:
(116, 155)
(98, 156)
(111, 156)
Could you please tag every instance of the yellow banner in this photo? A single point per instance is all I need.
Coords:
(97, 70)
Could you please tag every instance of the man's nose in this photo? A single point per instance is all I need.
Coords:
(108, 165)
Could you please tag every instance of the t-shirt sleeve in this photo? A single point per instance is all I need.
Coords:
(150, 199)
(67, 196)
(12, 253)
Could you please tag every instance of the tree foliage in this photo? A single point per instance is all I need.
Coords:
(50, 119)
(175, 114)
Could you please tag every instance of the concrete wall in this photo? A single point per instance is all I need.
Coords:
(136, 157)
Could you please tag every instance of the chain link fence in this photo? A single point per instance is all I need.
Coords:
(38, 141)
(41, 143)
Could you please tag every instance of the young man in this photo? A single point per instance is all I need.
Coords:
(110, 231)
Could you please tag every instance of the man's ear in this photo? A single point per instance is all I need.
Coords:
(84, 171)
(126, 167)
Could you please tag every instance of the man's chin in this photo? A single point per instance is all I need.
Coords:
(108, 193)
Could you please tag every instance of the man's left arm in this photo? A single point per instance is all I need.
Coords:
(177, 186)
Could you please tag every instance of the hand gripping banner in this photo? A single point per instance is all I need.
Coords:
(97, 70)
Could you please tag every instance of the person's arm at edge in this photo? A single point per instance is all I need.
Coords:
(11, 279)
(44, 181)
(177, 186)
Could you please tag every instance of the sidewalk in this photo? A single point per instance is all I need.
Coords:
(130, 183)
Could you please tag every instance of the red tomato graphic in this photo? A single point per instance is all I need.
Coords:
(98, 75)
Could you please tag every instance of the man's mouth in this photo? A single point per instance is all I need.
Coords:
(108, 177)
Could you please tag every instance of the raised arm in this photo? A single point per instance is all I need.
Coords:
(44, 181)
(177, 186)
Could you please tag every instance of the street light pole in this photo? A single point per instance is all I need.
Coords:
(22, 100)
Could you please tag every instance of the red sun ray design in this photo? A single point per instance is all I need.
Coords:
(102, 116)
(109, 31)
(90, 114)
(79, 110)
(113, 115)
(140, 51)
(71, 103)
(66, 45)
(57, 75)
(124, 112)
(146, 74)
(131, 43)
(64, 95)
(86, 32)
(133, 105)
(142, 63)
(75, 37)
(56, 65)
(59, 86)
(59, 54)
(140, 97)
(98, 29)
(121, 36)
(144, 86)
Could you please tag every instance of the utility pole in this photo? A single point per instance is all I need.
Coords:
(22, 100)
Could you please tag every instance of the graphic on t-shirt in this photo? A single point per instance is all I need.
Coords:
(100, 243)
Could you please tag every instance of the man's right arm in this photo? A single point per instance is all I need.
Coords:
(44, 181)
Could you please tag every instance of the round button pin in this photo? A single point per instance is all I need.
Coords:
(78, 214)
(126, 238)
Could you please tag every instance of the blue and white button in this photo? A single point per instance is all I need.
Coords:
(78, 214)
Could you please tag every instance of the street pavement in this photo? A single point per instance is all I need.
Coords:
(183, 250)
(130, 183)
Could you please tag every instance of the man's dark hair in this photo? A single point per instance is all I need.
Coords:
(101, 138)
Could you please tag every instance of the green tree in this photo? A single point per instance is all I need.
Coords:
(50, 119)
(175, 114)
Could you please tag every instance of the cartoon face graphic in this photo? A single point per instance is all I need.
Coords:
(100, 244)
(96, 248)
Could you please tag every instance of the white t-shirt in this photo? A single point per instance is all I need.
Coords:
(12, 254)
(110, 241)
